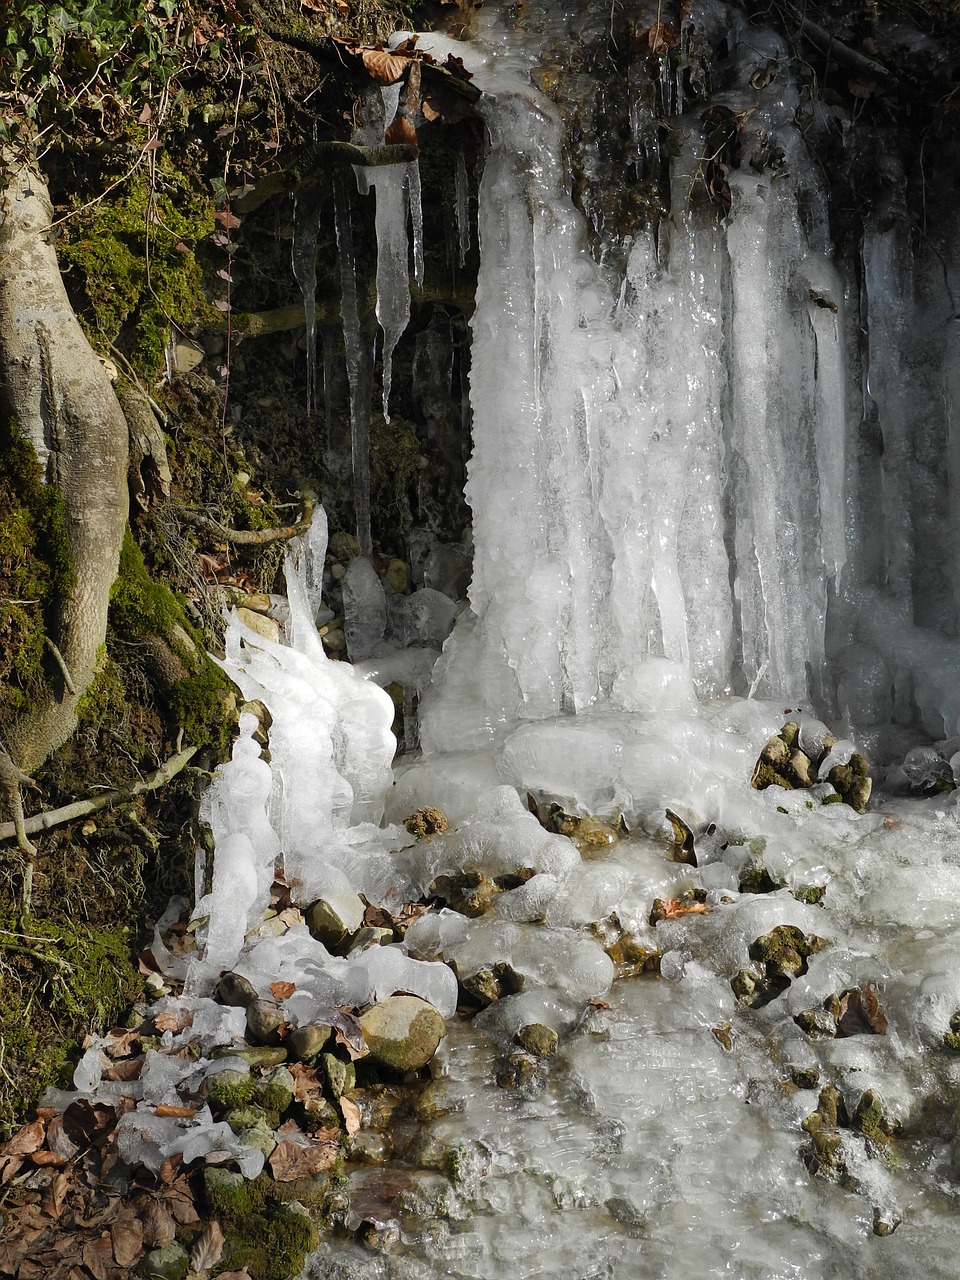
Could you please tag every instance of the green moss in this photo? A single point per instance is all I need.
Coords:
(265, 1232)
(197, 694)
(231, 1089)
(133, 255)
(71, 979)
(36, 571)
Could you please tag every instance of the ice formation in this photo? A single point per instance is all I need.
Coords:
(674, 541)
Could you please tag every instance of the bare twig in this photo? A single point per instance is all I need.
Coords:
(95, 804)
(64, 669)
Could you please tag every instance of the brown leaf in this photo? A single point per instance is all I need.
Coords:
(11, 1255)
(120, 1042)
(860, 1013)
(26, 1140)
(127, 1236)
(400, 131)
(291, 916)
(54, 1196)
(170, 1169)
(46, 1158)
(674, 908)
(171, 1021)
(208, 1250)
(306, 1083)
(351, 1116)
(226, 219)
(9, 1166)
(59, 1140)
(282, 990)
(98, 1257)
(657, 39)
(125, 1069)
(180, 1113)
(386, 68)
(159, 1228)
(291, 1160)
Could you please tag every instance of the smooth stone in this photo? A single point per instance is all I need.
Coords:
(305, 1043)
(403, 1032)
(275, 1091)
(264, 1019)
(325, 924)
(168, 1263)
(370, 936)
(341, 1076)
(537, 1039)
(269, 628)
(397, 576)
(235, 990)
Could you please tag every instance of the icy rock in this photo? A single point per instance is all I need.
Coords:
(537, 1039)
(426, 618)
(403, 1032)
(327, 925)
(235, 990)
(264, 1019)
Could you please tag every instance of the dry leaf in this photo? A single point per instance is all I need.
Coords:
(26, 1140)
(400, 131)
(208, 1250)
(351, 1116)
(178, 1021)
(226, 219)
(9, 1166)
(291, 916)
(125, 1069)
(657, 39)
(674, 908)
(860, 1013)
(306, 1083)
(120, 1042)
(291, 1160)
(282, 990)
(127, 1236)
(53, 1198)
(384, 67)
(48, 1158)
(98, 1257)
(180, 1113)
(159, 1228)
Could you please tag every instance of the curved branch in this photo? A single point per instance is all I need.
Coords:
(253, 537)
(83, 808)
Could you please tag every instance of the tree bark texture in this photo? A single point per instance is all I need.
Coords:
(56, 390)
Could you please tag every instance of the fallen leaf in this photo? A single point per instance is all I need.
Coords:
(125, 1069)
(171, 1021)
(54, 1196)
(384, 67)
(208, 1250)
(26, 1140)
(351, 1116)
(159, 1228)
(291, 916)
(674, 908)
(48, 1158)
(98, 1257)
(9, 1166)
(120, 1042)
(306, 1083)
(226, 219)
(657, 39)
(170, 1169)
(11, 1255)
(860, 1013)
(282, 990)
(127, 1237)
(180, 1113)
(291, 1160)
(400, 131)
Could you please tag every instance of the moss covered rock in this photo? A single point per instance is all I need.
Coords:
(403, 1032)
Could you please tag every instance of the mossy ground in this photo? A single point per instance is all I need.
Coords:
(268, 1225)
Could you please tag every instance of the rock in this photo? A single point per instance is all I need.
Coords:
(264, 1019)
(305, 1043)
(403, 1032)
(805, 1077)
(337, 571)
(397, 576)
(259, 1136)
(257, 602)
(325, 924)
(187, 355)
(261, 1056)
(802, 767)
(482, 986)
(275, 1091)
(523, 1072)
(426, 822)
(169, 1263)
(233, 989)
(819, 1024)
(370, 936)
(319, 1113)
(269, 628)
(335, 640)
(468, 892)
(368, 1147)
(231, 1088)
(341, 1076)
(344, 546)
(537, 1039)
(250, 1117)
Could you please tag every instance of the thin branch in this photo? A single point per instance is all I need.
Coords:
(253, 537)
(82, 808)
(64, 669)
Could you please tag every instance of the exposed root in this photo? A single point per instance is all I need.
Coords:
(11, 780)
(83, 808)
(253, 537)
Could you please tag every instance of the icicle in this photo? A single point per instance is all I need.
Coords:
(306, 211)
(329, 350)
(393, 279)
(359, 360)
(416, 219)
(462, 207)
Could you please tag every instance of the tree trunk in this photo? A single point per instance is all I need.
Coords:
(56, 390)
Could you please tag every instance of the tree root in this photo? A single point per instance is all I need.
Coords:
(11, 780)
(253, 537)
(64, 669)
(83, 808)
(841, 53)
